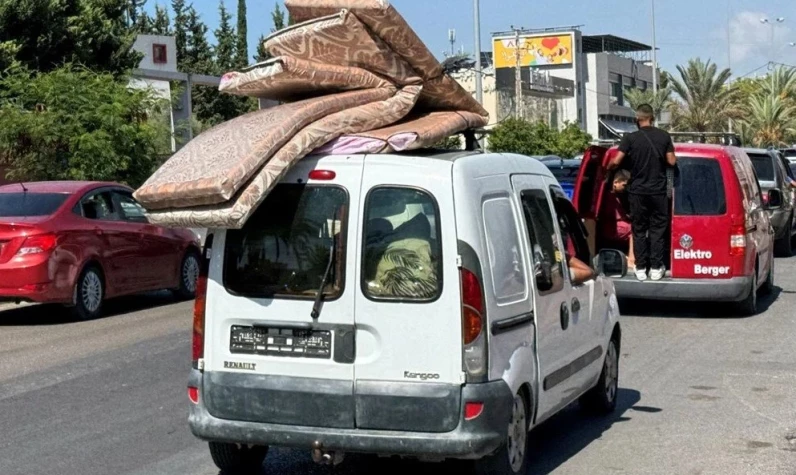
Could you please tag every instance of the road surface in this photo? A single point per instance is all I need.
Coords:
(701, 393)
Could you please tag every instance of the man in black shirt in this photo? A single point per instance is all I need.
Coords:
(649, 152)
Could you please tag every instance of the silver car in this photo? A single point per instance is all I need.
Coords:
(776, 178)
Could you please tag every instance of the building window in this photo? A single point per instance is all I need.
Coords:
(617, 94)
(641, 84)
(159, 54)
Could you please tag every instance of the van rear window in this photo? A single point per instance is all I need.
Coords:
(285, 247)
(402, 249)
(764, 166)
(700, 188)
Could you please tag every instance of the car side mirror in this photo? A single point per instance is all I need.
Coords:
(774, 199)
(611, 263)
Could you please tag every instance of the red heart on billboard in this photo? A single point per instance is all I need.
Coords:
(550, 43)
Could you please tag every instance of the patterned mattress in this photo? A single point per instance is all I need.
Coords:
(351, 77)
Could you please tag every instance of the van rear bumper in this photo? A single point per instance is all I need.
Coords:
(734, 289)
(468, 440)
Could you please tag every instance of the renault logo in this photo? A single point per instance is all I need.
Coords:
(686, 241)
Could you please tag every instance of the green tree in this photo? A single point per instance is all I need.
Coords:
(225, 41)
(48, 33)
(571, 141)
(278, 20)
(261, 54)
(453, 142)
(243, 31)
(523, 137)
(770, 121)
(161, 24)
(198, 54)
(706, 103)
(181, 29)
(74, 124)
(134, 10)
(537, 138)
(660, 102)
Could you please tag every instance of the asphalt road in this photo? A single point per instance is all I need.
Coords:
(701, 393)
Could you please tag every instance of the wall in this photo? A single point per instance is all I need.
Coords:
(143, 44)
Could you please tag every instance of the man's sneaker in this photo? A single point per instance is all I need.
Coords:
(641, 274)
(657, 274)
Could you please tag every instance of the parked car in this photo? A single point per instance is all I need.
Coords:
(790, 154)
(565, 171)
(79, 243)
(721, 241)
(773, 173)
(435, 315)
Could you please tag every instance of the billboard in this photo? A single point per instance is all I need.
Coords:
(535, 50)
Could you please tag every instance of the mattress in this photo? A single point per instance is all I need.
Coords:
(351, 76)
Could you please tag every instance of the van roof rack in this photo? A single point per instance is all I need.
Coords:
(721, 138)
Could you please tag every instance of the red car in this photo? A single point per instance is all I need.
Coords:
(721, 241)
(79, 243)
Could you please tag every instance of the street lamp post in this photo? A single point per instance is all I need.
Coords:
(772, 24)
(479, 87)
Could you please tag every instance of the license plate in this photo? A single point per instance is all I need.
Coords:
(293, 343)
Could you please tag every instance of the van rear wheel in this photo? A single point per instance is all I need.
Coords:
(748, 306)
(512, 457)
(238, 458)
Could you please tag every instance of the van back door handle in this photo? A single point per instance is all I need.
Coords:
(575, 305)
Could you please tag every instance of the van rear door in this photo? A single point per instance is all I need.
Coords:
(408, 367)
(267, 359)
(588, 186)
(701, 224)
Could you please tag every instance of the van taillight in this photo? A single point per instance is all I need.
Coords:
(472, 307)
(738, 240)
(474, 338)
(200, 304)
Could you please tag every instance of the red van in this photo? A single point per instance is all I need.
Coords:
(721, 240)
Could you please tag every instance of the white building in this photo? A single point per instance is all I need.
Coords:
(160, 54)
(565, 77)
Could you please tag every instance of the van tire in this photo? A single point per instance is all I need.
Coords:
(601, 399)
(783, 247)
(89, 293)
(768, 285)
(748, 306)
(511, 458)
(238, 458)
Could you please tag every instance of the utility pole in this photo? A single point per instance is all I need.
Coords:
(729, 56)
(479, 85)
(518, 105)
(452, 40)
(654, 54)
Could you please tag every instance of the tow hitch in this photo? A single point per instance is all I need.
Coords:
(325, 457)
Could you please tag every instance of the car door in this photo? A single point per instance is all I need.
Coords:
(157, 263)
(587, 190)
(116, 248)
(558, 347)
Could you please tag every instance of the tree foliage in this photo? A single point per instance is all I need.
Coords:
(242, 59)
(660, 102)
(47, 33)
(278, 19)
(769, 117)
(538, 138)
(74, 124)
(706, 103)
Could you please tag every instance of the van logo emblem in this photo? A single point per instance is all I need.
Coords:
(686, 241)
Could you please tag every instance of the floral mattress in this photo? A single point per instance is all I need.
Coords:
(351, 76)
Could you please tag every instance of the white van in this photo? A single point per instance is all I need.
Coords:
(447, 327)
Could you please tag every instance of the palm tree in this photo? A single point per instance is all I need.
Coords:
(706, 103)
(780, 82)
(660, 102)
(771, 120)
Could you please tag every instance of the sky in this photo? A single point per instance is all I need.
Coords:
(685, 28)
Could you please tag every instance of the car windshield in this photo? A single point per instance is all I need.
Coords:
(699, 190)
(764, 166)
(30, 204)
(284, 248)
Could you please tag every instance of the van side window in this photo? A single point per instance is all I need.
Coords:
(572, 229)
(503, 246)
(548, 260)
(402, 249)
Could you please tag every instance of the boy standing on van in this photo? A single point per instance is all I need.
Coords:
(650, 151)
